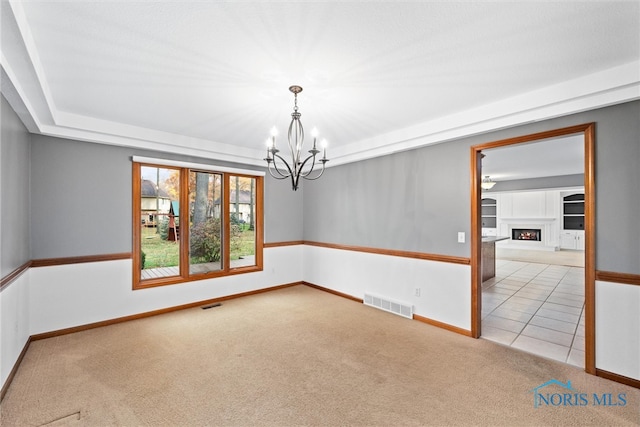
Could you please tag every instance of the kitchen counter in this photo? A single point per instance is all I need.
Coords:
(490, 239)
(489, 256)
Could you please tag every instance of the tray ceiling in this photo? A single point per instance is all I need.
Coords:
(210, 78)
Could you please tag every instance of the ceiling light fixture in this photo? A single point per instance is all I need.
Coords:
(486, 183)
(296, 169)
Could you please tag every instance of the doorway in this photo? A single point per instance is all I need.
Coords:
(587, 131)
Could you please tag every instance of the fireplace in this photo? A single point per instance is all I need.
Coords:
(538, 234)
(530, 234)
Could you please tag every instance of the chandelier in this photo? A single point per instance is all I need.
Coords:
(279, 168)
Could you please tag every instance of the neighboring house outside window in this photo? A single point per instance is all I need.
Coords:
(155, 202)
(240, 206)
(193, 222)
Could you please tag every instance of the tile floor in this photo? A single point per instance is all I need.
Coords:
(538, 308)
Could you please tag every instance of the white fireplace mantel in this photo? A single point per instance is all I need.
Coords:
(521, 220)
(530, 209)
(545, 224)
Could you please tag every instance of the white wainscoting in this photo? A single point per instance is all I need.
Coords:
(618, 328)
(14, 323)
(46, 299)
(78, 294)
(445, 288)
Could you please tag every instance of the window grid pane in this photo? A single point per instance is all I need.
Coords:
(242, 213)
(205, 223)
(159, 235)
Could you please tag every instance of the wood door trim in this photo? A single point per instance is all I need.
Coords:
(476, 243)
(590, 254)
(588, 131)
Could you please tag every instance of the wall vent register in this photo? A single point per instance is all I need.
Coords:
(395, 307)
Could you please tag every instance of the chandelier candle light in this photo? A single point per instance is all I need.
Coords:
(296, 169)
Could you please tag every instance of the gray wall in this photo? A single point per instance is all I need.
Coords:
(81, 199)
(14, 179)
(282, 211)
(417, 200)
(618, 189)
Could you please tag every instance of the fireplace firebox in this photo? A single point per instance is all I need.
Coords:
(530, 234)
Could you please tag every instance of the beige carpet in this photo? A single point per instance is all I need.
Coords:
(296, 356)
(564, 257)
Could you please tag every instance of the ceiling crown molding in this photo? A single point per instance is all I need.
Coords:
(609, 87)
(24, 84)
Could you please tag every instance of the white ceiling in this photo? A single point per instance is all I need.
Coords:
(210, 78)
(543, 158)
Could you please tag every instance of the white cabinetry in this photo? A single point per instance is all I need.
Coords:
(489, 212)
(572, 233)
(573, 211)
(529, 204)
(580, 240)
(557, 213)
(539, 210)
(572, 239)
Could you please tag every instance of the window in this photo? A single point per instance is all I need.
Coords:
(192, 222)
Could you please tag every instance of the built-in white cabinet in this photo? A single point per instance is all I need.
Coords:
(556, 216)
(528, 204)
(572, 239)
(489, 207)
(530, 210)
(573, 211)
(572, 233)
(489, 232)
(580, 240)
